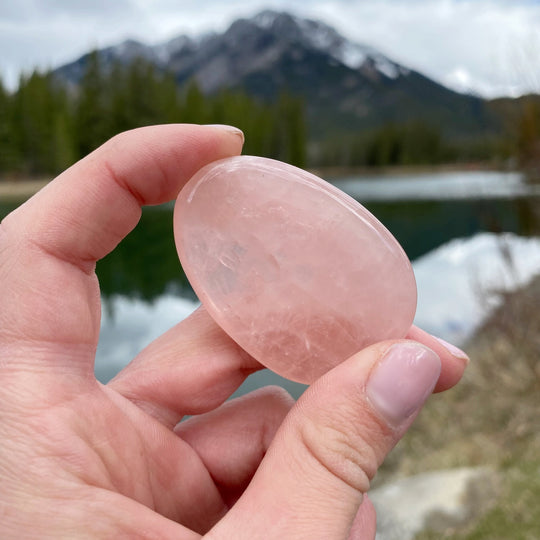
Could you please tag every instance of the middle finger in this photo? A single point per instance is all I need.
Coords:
(191, 369)
(232, 440)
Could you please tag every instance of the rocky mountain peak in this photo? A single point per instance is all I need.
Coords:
(345, 84)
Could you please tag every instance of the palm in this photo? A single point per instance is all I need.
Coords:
(82, 460)
(114, 453)
(114, 444)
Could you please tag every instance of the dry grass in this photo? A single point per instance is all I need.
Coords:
(514, 516)
(490, 418)
(492, 415)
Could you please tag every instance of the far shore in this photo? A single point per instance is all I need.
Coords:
(19, 188)
(340, 171)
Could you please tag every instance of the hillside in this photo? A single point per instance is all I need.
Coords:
(346, 86)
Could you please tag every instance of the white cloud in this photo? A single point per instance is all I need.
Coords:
(495, 41)
(46, 34)
(489, 46)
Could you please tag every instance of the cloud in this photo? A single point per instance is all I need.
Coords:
(28, 10)
(489, 46)
(494, 42)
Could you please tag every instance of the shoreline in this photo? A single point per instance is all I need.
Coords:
(338, 172)
(13, 190)
(20, 190)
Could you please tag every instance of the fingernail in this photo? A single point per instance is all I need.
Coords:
(231, 129)
(453, 350)
(402, 381)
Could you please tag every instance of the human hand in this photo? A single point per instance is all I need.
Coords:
(79, 459)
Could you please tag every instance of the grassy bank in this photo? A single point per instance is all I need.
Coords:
(490, 418)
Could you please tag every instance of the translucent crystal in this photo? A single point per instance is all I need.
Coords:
(298, 273)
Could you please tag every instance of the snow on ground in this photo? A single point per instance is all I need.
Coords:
(455, 286)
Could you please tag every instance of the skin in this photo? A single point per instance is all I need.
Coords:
(79, 459)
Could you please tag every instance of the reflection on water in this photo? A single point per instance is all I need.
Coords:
(455, 284)
(423, 212)
(145, 264)
(423, 225)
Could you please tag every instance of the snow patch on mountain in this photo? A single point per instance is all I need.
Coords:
(324, 38)
(129, 50)
(386, 67)
(310, 33)
(352, 55)
(164, 51)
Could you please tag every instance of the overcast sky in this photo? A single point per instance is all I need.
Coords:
(491, 47)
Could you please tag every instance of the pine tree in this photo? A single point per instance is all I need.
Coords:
(8, 155)
(292, 116)
(65, 152)
(92, 113)
(35, 106)
(528, 140)
(44, 127)
(194, 110)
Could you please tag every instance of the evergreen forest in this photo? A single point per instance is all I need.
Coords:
(46, 125)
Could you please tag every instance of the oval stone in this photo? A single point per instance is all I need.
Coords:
(298, 273)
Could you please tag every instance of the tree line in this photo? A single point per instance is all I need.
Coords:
(528, 137)
(411, 143)
(47, 125)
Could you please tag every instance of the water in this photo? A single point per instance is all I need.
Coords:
(424, 211)
(438, 186)
(142, 280)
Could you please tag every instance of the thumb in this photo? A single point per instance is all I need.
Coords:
(314, 475)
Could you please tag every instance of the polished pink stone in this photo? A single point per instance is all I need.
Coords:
(298, 273)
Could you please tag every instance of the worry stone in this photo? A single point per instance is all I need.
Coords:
(295, 271)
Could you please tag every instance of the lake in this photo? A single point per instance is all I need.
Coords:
(145, 291)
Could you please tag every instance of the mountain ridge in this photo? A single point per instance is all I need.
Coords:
(347, 86)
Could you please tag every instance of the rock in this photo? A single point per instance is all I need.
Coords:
(298, 273)
(436, 500)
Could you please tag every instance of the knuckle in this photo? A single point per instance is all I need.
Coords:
(342, 448)
(277, 396)
(277, 403)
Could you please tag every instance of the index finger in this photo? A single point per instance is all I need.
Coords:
(49, 245)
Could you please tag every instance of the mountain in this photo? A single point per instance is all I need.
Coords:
(346, 86)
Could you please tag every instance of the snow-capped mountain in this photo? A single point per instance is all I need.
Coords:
(270, 33)
(346, 85)
(326, 39)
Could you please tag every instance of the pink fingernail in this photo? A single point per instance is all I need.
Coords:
(230, 129)
(453, 350)
(402, 381)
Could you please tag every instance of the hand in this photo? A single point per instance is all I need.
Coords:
(83, 460)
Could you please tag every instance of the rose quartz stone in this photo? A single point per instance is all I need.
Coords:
(298, 273)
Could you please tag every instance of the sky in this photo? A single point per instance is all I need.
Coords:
(488, 47)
